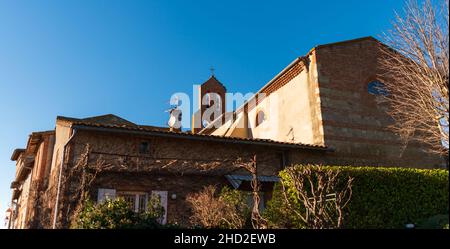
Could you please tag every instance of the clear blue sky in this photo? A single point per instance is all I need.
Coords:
(85, 58)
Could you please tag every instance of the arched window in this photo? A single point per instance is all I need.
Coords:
(260, 117)
(377, 88)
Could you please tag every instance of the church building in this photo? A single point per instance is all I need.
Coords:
(326, 107)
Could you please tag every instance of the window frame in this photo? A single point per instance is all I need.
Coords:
(137, 199)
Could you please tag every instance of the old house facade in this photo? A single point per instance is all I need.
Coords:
(322, 108)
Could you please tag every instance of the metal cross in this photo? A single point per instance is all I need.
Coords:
(212, 71)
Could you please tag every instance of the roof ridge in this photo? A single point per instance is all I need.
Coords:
(347, 41)
(105, 119)
(101, 116)
(213, 77)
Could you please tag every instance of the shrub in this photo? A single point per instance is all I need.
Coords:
(117, 214)
(434, 222)
(278, 213)
(225, 210)
(382, 197)
(316, 195)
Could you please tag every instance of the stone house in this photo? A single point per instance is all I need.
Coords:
(326, 111)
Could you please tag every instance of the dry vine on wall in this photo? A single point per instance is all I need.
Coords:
(79, 178)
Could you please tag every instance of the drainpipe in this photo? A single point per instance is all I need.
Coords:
(60, 177)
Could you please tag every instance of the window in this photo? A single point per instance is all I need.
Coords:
(260, 117)
(136, 200)
(144, 148)
(105, 193)
(377, 88)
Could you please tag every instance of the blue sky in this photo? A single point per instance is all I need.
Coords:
(86, 58)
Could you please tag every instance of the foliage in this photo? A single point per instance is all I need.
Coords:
(237, 199)
(117, 214)
(382, 197)
(278, 213)
(434, 222)
(228, 209)
(309, 197)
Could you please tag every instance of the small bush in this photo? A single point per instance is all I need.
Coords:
(278, 214)
(228, 209)
(382, 197)
(116, 214)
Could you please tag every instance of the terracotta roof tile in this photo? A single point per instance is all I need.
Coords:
(164, 131)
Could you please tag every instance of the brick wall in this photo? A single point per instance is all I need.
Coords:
(355, 122)
(128, 170)
(178, 210)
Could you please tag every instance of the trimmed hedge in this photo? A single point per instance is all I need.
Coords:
(382, 197)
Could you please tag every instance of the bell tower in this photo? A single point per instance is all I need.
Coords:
(211, 99)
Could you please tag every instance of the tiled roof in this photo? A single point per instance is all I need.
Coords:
(80, 123)
(213, 80)
(110, 119)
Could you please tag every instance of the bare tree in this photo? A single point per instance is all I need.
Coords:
(416, 73)
(213, 212)
(321, 195)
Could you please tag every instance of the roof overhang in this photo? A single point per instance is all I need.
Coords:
(15, 184)
(16, 153)
(24, 169)
(236, 180)
(16, 193)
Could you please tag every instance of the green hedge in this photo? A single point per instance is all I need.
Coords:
(382, 197)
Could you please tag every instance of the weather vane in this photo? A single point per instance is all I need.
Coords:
(212, 70)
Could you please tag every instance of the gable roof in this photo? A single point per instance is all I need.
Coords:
(213, 80)
(366, 38)
(109, 119)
